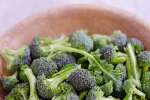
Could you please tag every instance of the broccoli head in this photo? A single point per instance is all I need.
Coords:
(81, 80)
(9, 82)
(16, 58)
(100, 40)
(137, 44)
(49, 87)
(146, 84)
(32, 82)
(119, 39)
(19, 92)
(144, 60)
(63, 59)
(43, 66)
(81, 40)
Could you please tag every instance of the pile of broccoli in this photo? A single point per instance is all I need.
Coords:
(79, 67)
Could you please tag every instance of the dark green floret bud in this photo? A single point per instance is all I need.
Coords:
(82, 80)
(63, 59)
(119, 39)
(137, 44)
(81, 40)
(43, 66)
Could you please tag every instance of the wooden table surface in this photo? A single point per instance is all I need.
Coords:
(12, 11)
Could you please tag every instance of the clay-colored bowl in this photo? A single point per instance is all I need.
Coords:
(96, 19)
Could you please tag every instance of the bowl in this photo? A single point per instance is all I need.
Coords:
(66, 19)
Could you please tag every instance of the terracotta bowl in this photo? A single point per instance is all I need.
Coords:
(96, 19)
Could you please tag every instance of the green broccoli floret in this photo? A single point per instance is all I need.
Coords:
(32, 82)
(119, 39)
(130, 89)
(49, 87)
(19, 92)
(100, 40)
(81, 80)
(137, 44)
(109, 53)
(81, 40)
(43, 66)
(146, 84)
(98, 77)
(16, 58)
(97, 94)
(144, 60)
(107, 88)
(69, 96)
(9, 82)
(63, 59)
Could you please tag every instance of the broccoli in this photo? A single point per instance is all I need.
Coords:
(137, 44)
(63, 59)
(97, 94)
(119, 39)
(144, 60)
(130, 89)
(32, 82)
(9, 82)
(19, 92)
(109, 53)
(98, 77)
(81, 40)
(81, 80)
(44, 66)
(107, 88)
(16, 58)
(49, 87)
(146, 84)
(100, 40)
(69, 96)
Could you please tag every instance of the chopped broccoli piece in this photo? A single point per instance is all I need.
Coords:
(9, 82)
(146, 84)
(81, 40)
(69, 96)
(98, 77)
(19, 92)
(119, 39)
(43, 66)
(100, 40)
(63, 59)
(144, 60)
(32, 82)
(16, 58)
(49, 87)
(137, 44)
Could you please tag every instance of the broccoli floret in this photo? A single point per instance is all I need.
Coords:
(49, 87)
(63, 59)
(119, 39)
(81, 80)
(81, 40)
(16, 58)
(32, 82)
(9, 82)
(97, 94)
(137, 44)
(144, 60)
(109, 53)
(100, 40)
(43, 66)
(69, 96)
(130, 89)
(19, 92)
(146, 84)
(98, 77)
(107, 88)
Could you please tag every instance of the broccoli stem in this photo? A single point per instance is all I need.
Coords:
(141, 94)
(133, 63)
(128, 97)
(32, 83)
(86, 54)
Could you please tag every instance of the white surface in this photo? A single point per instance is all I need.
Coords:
(13, 11)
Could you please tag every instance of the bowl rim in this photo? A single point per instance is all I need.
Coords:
(121, 13)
